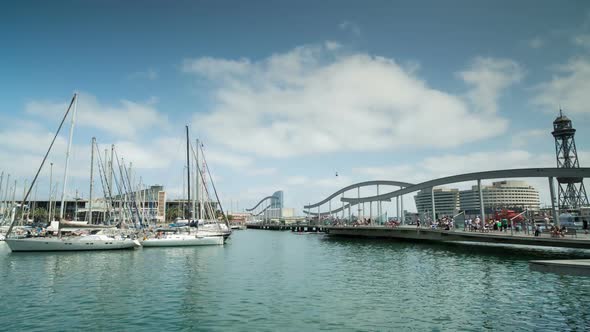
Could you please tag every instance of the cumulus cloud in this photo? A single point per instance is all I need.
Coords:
(523, 138)
(568, 88)
(126, 119)
(582, 40)
(314, 99)
(488, 77)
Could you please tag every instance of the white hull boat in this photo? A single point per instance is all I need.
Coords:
(178, 240)
(77, 243)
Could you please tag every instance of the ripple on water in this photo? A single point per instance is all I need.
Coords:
(266, 281)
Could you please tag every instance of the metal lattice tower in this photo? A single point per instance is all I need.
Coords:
(572, 194)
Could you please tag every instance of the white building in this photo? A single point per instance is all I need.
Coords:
(502, 194)
(446, 201)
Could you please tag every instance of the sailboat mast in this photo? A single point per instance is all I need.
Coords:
(50, 217)
(188, 172)
(198, 198)
(106, 205)
(6, 196)
(63, 191)
(1, 183)
(91, 180)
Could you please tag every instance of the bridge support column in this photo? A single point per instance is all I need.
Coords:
(342, 207)
(330, 209)
(554, 210)
(397, 207)
(349, 213)
(433, 206)
(401, 198)
(481, 206)
(378, 204)
(358, 205)
(371, 213)
(319, 215)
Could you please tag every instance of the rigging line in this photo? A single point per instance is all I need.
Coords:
(206, 190)
(121, 183)
(133, 197)
(213, 185)
(127, 190)
(106, 191)
(43, 162)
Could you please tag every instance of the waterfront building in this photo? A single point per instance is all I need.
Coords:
(514, 195)
(446, 201)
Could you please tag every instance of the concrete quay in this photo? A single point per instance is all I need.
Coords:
(578, 267)
(435, 235)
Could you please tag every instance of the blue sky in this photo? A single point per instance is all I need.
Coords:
(284, 94)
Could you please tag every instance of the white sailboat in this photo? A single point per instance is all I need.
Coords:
(207, 222)
(181, 237)
(70, 243)
(74, 243)
(184, 236)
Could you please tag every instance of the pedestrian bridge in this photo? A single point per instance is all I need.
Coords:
(407, 188)
(274, 201)
(377, 183)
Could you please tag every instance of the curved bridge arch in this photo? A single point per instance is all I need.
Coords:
(261, 212)
(583, 172)
(346, 206)
(359, 185)
(262, 200)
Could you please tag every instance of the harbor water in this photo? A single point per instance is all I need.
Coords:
(283, 281)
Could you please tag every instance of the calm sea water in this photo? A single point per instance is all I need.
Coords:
(269, 281)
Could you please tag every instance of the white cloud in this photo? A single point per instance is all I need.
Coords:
(582, 40)
(262, 171)
(350, 26)
(488, 77)
(227, 159)
(212, 67)
(568, 89)
(125, 120)
(296, 180)
(523, 138)
(332, 45)
(314, 100)
(536, 42)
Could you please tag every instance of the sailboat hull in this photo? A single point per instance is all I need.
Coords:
(70, 244)
(181, 241)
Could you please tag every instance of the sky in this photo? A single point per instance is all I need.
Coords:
(285, 94)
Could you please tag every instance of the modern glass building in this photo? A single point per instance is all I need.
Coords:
(446, 202)
(516, 195)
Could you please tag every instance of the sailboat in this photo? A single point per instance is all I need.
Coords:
(207, 222)
(93, 241)
(184, 236)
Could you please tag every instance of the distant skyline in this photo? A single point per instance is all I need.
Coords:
(285, 94)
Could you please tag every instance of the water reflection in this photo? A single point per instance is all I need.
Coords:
(265, 280)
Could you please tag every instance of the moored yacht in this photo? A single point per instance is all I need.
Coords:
(181, 237)
(59, 242)
(71, 243)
